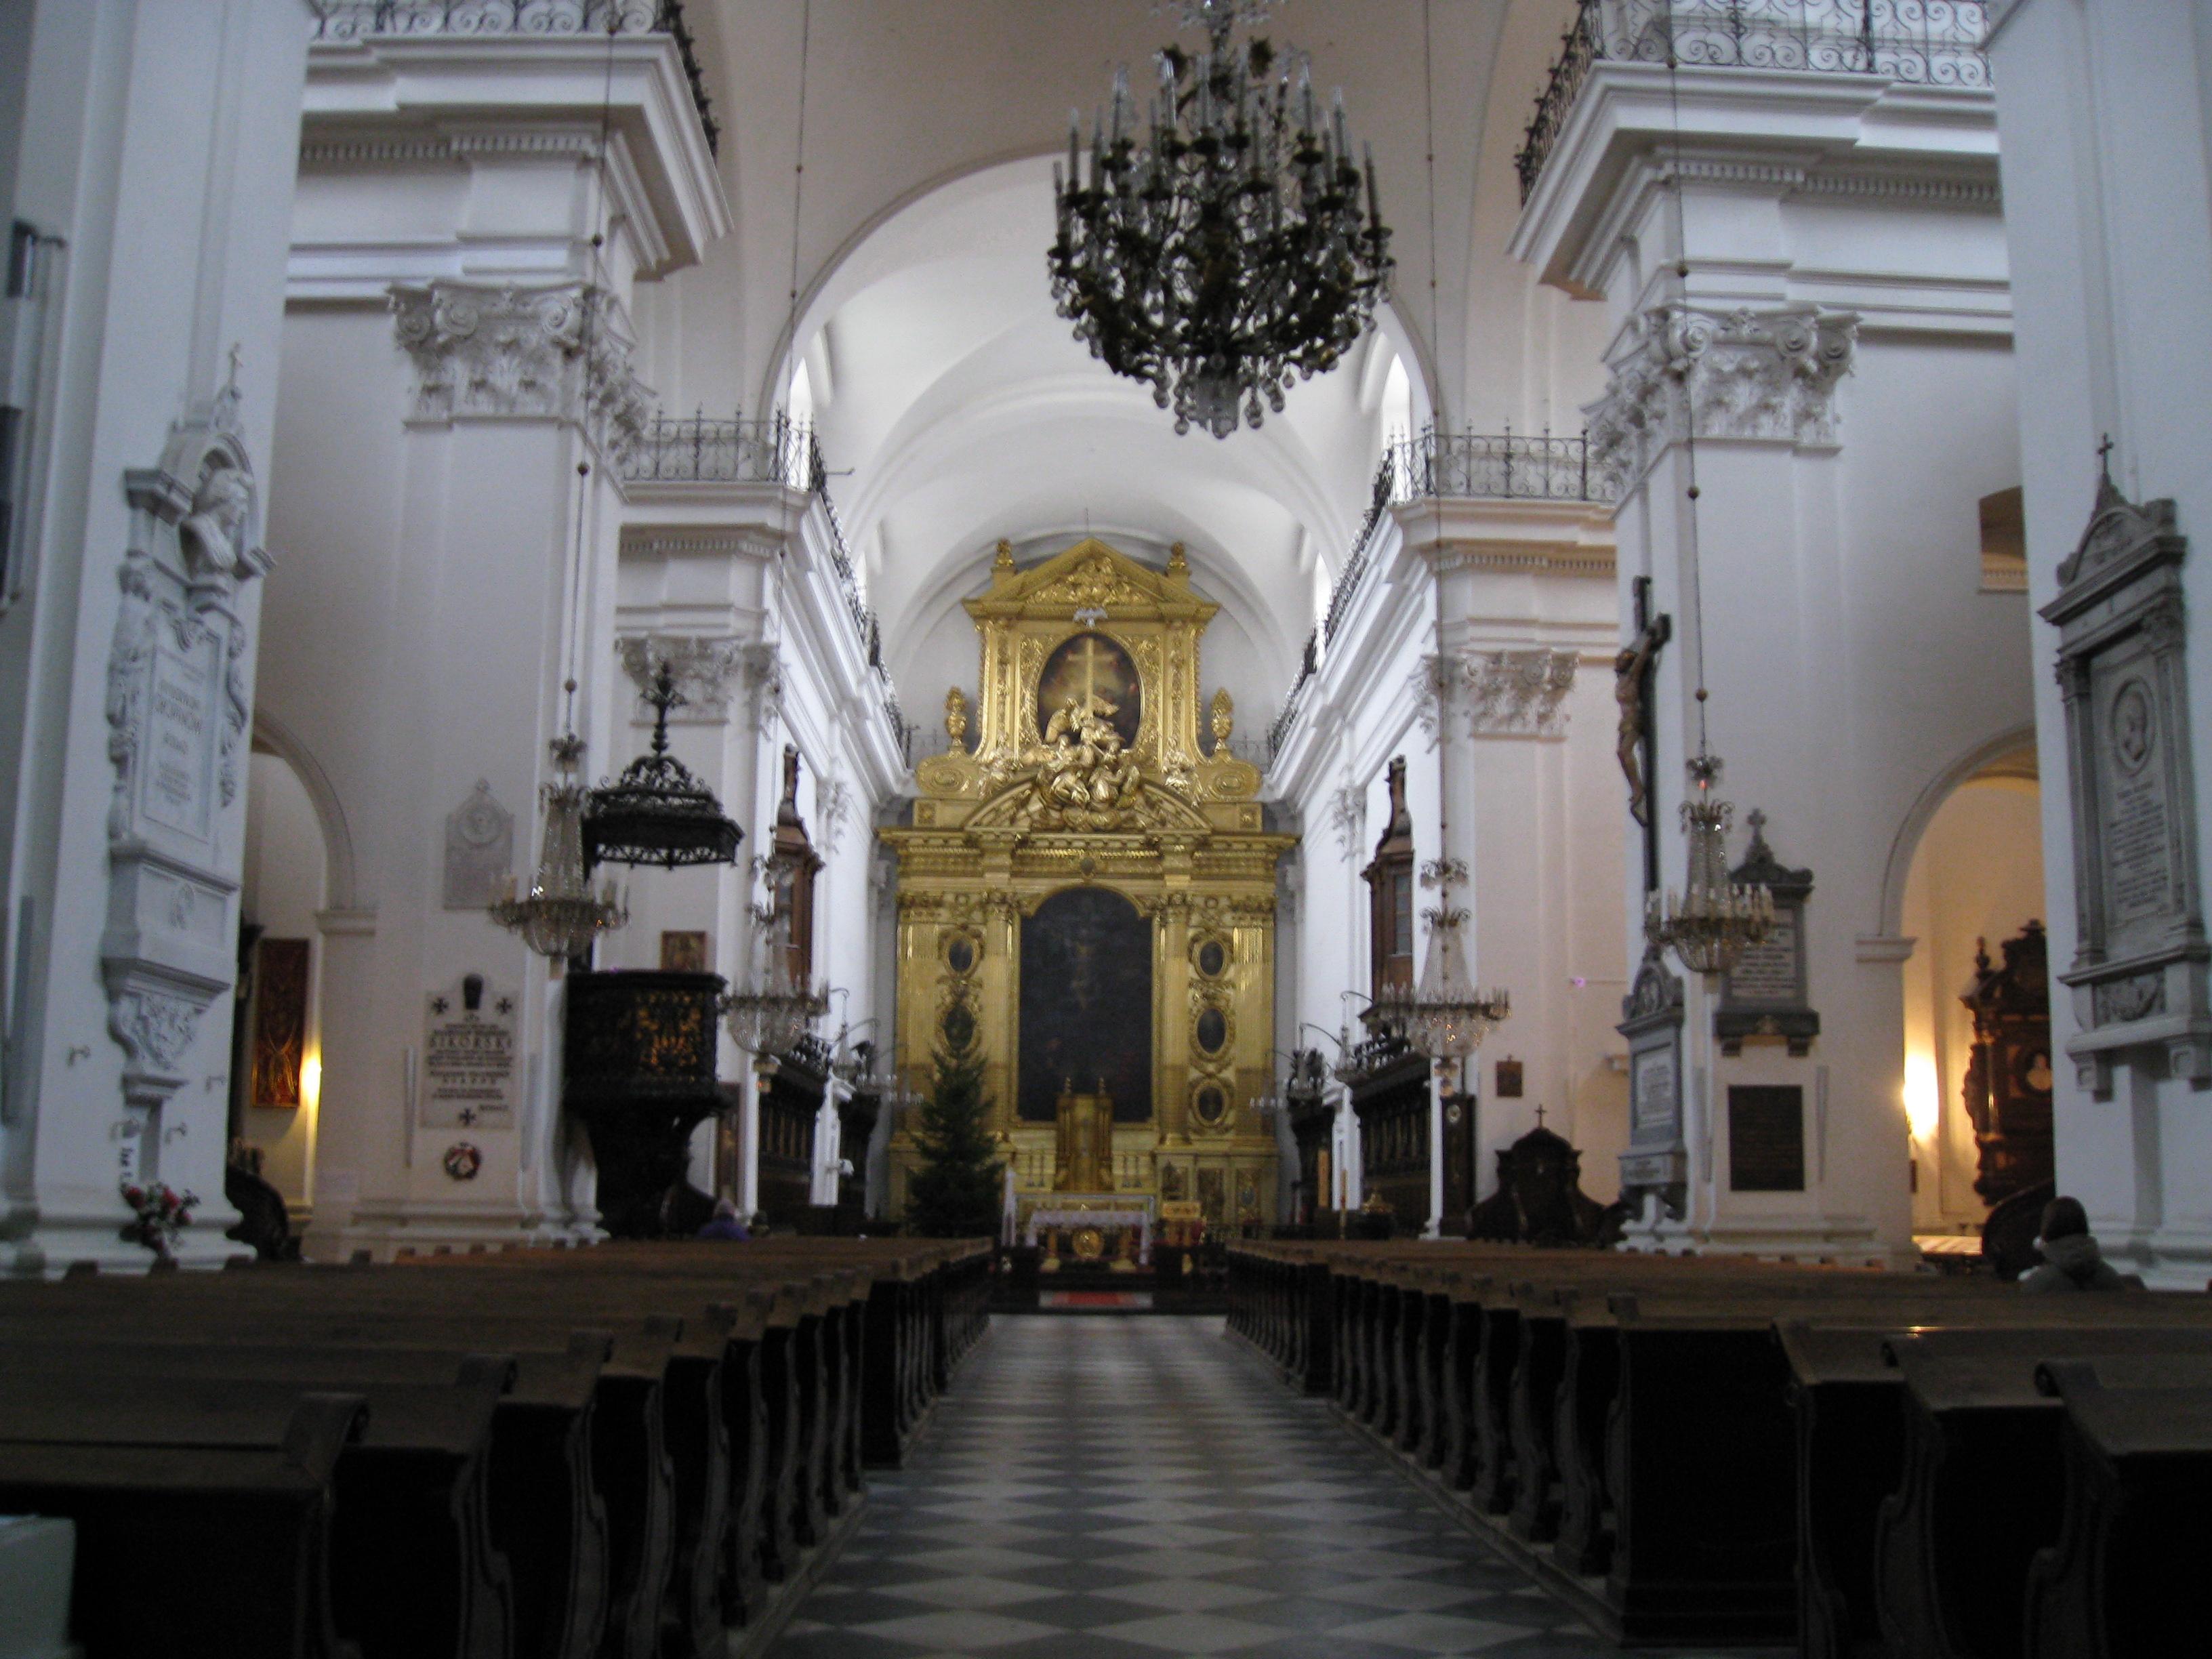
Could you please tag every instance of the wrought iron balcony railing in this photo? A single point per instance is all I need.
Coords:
(703, 449)
(1927, 42)
(776, 450)
(1506, 466)
(361, 20)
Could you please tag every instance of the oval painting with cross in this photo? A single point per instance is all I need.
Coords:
(1089, 672)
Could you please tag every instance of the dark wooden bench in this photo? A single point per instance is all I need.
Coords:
(609, 1451)
(203, 1514)
(2126, 1573)
(1983, 1487)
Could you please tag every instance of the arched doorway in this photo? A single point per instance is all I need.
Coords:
(1975, 884)
(275, 1091)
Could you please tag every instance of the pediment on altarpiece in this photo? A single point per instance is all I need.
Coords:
(1152, 810)
(1091, 575)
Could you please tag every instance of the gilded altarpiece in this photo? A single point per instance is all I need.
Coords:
(1088, 772)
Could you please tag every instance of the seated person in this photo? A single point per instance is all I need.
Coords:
(724, 1223)
(2072, 1260)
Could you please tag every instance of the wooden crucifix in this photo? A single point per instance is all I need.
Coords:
(1634, 688)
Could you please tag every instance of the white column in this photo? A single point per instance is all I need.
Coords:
(130, 600)
(2102, 111)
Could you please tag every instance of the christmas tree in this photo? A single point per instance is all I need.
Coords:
(955, 1190)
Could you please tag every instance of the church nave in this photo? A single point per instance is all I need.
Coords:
(1123, 1488)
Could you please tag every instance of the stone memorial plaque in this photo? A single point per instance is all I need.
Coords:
(1765, 995)
(1766, 1138)
(2137, 832)
(2139, 971)
(1656, 1160)
(181, 735)
(479, 850)
(1653, 1088)
(1768, 970)
(469, 1059)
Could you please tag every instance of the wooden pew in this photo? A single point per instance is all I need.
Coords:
(1636, 1411)
(1983, 1488)
(667, 1423)
(410, 1490)
(582, 1498)
(2126, 1572)
(1850, 1405)
(203, 1514)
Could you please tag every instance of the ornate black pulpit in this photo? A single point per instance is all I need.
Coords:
(639, 1060)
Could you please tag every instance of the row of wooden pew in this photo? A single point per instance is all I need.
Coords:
(1693, 1449)
(613, 1453)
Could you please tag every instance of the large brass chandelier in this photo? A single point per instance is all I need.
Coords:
(1221, 253)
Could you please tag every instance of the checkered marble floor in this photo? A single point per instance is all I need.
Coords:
(1127, 1488)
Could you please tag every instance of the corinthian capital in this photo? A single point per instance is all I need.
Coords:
(484, 349)
(1680, 368)
(703, 669)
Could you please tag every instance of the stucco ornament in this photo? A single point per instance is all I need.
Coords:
(1680, 368)
(490, 349)
(214, 533)
(179, 702)
(704, 667)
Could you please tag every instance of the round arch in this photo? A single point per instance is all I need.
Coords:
(1976, 762)
(340, 882)
(831, 284)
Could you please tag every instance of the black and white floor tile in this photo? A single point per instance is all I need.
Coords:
(1132, 1488)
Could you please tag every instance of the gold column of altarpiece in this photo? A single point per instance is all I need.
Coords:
(1079, 778)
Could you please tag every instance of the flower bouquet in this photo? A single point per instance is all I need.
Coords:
(159, 1212)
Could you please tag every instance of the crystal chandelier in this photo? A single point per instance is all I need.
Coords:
(560, 916)
(1710, 923)
(1225, 255)
(769, 1012)
(1445, 1017)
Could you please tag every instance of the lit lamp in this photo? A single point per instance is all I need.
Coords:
(1710, 921)
(560, 916)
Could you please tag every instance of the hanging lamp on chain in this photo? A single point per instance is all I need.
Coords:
(1710, 923)
(1444, 1017)
(1713, 920)
(657, 812)
(560, 916)
(1221, 253)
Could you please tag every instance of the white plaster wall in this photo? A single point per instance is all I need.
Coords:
(1976, 876)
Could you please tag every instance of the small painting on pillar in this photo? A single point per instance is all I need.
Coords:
(683, 952)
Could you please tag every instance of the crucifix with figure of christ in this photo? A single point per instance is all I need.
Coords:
(1637, 745)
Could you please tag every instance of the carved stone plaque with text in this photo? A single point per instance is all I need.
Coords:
(469, 1059)
(1765, 995)
(1656, 1160)
(2140, 959)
